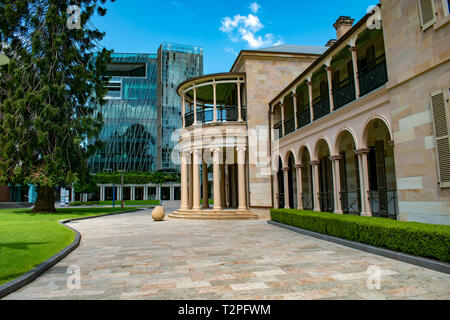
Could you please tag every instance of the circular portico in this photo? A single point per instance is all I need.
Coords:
(213, 146)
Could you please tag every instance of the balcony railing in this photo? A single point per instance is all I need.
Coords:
(224, 114)
(308, 201)
(373, 76)
(351, 202)
(343, 93)
(326, 201)
(278, 127)
(384, 203)
(304, 117)
(289, 125)
(321, 107)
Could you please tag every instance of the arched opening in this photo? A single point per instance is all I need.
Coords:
(280, 179)
(349, 174)
(277, 122)
(307, 182)
(289, 115)
(381, 170)
(326, 196)
(292, 182)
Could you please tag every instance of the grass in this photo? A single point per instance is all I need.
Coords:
(118, 202)
(27, 239)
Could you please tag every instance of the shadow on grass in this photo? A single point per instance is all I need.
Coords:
(20, 245)
(10, 277)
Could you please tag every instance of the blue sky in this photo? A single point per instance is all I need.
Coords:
(222, 28)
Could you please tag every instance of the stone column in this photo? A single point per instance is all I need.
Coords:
(286, 188)
(335, 160)
(183, 110)
(294, 100)
(195, 106)
(196, 179)
(330, 87)
(272, 130)
(354, 51)
(364, 181)
(241, 177)
(133, 193)
(316, 189)
(119, 193)
(102, 193)
(184, 182)
(239, 102)
(205, 186)
(234, 187)
(222, 184)
(145, 193)
(215, 100)
(282, 119)
(299, 186)
(191, 183)
(217, 180)
(276, 191)
(310, 95)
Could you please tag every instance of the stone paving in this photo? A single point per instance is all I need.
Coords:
(131, 257)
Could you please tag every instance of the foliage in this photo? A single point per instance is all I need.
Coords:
(425, 240)
(109, 203)
(55, 74)
(136, 178)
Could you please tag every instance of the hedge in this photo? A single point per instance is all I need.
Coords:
(118, 202)
(424, 240)
(136, 178)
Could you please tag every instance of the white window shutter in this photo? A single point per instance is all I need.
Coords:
(441, 119)
(427, 13)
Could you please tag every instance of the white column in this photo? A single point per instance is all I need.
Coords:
(183, 110)
(217, 183)
(191, 182)
(364, 181)
(355, 71)
(272, 130)
(239, 102)
(133, 193)
(119, 193)
(335, 160)
(241, 178)
(286, 188)
(276, 190)
(294, 99)
(205, 186)
(316, 189)
(215, 100)
(195, 106)
(310, 94)
(145, 193)
(184, 182)
(102, 193)
(196, 180)
(330, 87)
(299, 186)
(282, 119)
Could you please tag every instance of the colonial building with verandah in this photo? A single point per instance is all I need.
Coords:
(365, 129)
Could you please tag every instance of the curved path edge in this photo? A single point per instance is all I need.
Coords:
(34, 273)
(403, 257)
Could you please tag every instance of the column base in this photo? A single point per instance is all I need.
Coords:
(366, 214)
(338, 211)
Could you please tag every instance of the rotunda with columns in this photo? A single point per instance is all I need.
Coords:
(213, 146)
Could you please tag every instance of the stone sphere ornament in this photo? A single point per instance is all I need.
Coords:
(158, 214)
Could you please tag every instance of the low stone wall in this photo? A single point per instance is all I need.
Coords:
(15, 205)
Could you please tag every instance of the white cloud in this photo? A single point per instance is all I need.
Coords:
(254, 6)
(246, 28)
(232, 51)
(176, 3)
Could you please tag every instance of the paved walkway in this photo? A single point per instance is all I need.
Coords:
(131, 257)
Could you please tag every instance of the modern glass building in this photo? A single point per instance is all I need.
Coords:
(176, 63)
(143, 108)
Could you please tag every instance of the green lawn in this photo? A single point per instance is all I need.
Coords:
(110, 203)
(26, 239)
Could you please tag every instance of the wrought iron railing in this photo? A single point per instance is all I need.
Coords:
(308, 201)
(384, 203)
(343, 93)
(224, 114)
(278, 127)
(373, 76)
(326, 201)
(321, 107)
(303, 117)
(289, 126)
(351, 202)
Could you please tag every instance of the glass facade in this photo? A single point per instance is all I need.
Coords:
(130, 115)
(176, 63)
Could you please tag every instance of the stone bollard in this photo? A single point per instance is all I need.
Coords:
(158, 214)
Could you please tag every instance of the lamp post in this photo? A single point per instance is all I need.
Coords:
(121, 189)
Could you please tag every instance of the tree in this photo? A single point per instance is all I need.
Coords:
(55, 74)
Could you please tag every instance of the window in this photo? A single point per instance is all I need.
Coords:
(446, 5)
(114, 90)
(427, 13)
(441, 119)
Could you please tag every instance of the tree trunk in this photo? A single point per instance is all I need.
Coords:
(45, 202)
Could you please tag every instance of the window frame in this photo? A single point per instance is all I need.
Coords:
(445, 6)
(431, 22)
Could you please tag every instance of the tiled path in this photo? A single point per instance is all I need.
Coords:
(131, 257)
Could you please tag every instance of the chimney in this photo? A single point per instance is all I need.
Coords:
(331, 43)
(342, 25)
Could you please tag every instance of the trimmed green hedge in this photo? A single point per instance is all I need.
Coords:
(425, 240)
(118, 202)
(136, 178)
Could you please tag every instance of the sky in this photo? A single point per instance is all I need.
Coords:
(222, 28)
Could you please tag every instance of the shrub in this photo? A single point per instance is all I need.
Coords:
(425, 240)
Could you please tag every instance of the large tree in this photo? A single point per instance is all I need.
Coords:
(53, 79)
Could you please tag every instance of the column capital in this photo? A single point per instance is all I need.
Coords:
(286, 169)
(353, 49)
(391, 143)
(309, 83)
(294, 94)
(362, 151)
(336, 157)
(315, 162)
(215, 149)
(329, 68)
(298, 166)
(241, 149)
